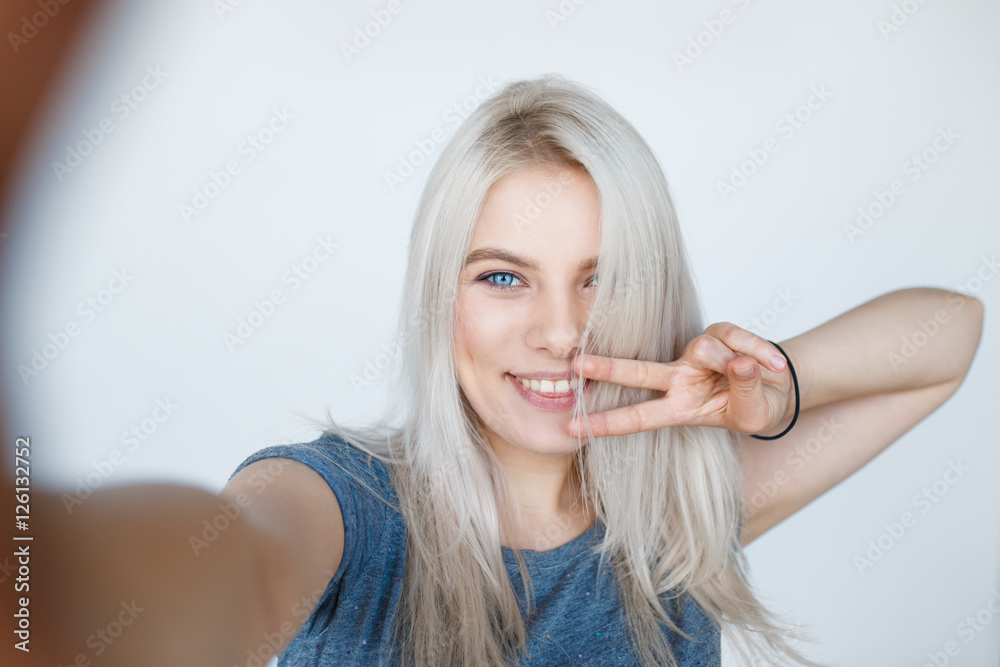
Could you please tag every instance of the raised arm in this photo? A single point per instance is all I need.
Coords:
(866, 377)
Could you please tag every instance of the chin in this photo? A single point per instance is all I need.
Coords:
(546, 441)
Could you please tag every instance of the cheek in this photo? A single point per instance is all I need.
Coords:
(482, 330)
(483, 335)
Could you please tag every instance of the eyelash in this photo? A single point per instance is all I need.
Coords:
(493, 285)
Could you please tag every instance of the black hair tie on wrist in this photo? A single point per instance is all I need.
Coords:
(795, 381)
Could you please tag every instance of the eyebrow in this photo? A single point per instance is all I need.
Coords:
(482, 254)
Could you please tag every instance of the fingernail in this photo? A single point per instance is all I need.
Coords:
(777, 362)
(744, 373)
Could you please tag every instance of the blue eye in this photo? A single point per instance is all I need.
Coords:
(505, 280)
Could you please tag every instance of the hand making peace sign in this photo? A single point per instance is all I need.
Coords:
(703, 387)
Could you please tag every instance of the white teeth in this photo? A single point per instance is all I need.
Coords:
(546, 386)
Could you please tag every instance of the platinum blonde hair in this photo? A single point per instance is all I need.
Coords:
(671, 498)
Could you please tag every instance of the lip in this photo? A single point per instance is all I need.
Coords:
(546, 402)
(555, 375)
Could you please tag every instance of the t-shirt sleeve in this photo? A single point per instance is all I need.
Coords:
(360, 486)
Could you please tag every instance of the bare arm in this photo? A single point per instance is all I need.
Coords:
(122, 565)
(26, 76)
(191, 578)
(866, 377)
(299, 533)
(122, 580)
(28, 67)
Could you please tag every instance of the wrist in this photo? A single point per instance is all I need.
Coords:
(792, 403)
(786, 418)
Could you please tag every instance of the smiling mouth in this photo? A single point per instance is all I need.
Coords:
(550, 395)
(554, 386)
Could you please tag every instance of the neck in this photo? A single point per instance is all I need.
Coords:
(546, 488)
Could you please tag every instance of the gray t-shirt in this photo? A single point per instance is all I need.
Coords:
(577, 619)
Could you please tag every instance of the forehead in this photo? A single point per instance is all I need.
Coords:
(540, 205)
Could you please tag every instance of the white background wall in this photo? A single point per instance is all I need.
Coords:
(783, 231)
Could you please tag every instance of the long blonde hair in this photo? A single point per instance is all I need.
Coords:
(671, 499)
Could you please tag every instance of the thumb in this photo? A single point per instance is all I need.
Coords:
(747, 407)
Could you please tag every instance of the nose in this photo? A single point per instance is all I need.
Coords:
(558, 319)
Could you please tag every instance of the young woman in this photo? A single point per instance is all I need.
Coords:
(483, 474)
(505, 510)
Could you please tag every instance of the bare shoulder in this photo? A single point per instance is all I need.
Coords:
(298, 532)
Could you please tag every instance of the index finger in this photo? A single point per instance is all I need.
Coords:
(628, 372)
(742, 341)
